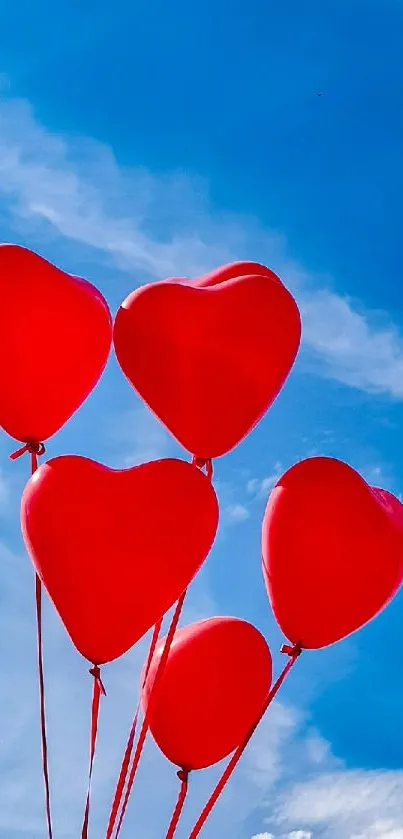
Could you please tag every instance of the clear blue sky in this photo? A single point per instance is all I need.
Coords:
(147, 139)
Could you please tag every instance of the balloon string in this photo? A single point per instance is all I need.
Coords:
(36, 449)
(201, 463)
(129, 747)
(183, 776)
(293, 652)
(44, 739)
(98, 689)
(144, 727)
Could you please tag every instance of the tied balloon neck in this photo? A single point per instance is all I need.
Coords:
(95, 671)
(204, 464)
(32, 447)
(292, 650)
(183, 775)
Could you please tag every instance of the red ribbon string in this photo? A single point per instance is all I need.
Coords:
(144, 727)
(36, 450)
(98, 689)
(44, 739)
(183, 776)
(204, 463)
(124, 769)
(293, 652)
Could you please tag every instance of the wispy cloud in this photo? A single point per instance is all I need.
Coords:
(4, 492)
(138, 437)
(164, 226)
(234, 508)
(260, 488)
(237, 513)
(332, 801)
(348, 804)
(295, 834)
(263, 836)
(357, 348)
(154, 227)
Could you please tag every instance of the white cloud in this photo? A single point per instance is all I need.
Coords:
(78, 189)
(232, 511)
(139, 437)
(351, 346)
(300, 834)
(347, 804)
(295, 834)
(331, 802)
(263, 836)
(164, 226)
(264, 761)
(381, 830)
(338, 803)
(237, 513)
(347, 794)
(260, 488)
(155, 227)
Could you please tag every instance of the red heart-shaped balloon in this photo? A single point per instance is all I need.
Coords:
(209, 357)
(211, 691)
(332, 551)
(116, 548)
(56, 334)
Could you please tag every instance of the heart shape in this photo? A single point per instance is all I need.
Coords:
(210, 356)
(332, 551)
(56, 334)
(116, 548)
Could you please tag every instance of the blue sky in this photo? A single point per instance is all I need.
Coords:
(143, 140)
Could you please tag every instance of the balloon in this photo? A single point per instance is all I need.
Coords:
(116, 548)
(332, 551)
(56, 334)
(211, 691)
(392, 506)
(210, 356)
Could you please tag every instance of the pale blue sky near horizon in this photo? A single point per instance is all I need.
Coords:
(143, 140)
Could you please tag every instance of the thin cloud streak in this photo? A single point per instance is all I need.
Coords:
(155, 227)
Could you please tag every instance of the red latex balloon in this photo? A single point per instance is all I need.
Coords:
(56, 333)
(115, 549)
(332, 551)
(211, 691)
(210, 356)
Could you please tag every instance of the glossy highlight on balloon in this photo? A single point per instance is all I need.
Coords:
(332, 551)
(56, 334)
(212, 690)
(116, 548)
(209, 356)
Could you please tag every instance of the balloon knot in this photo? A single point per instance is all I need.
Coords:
(33, 447)
(95, 671)
(293, 651)
(183, 775)
(204, 463)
